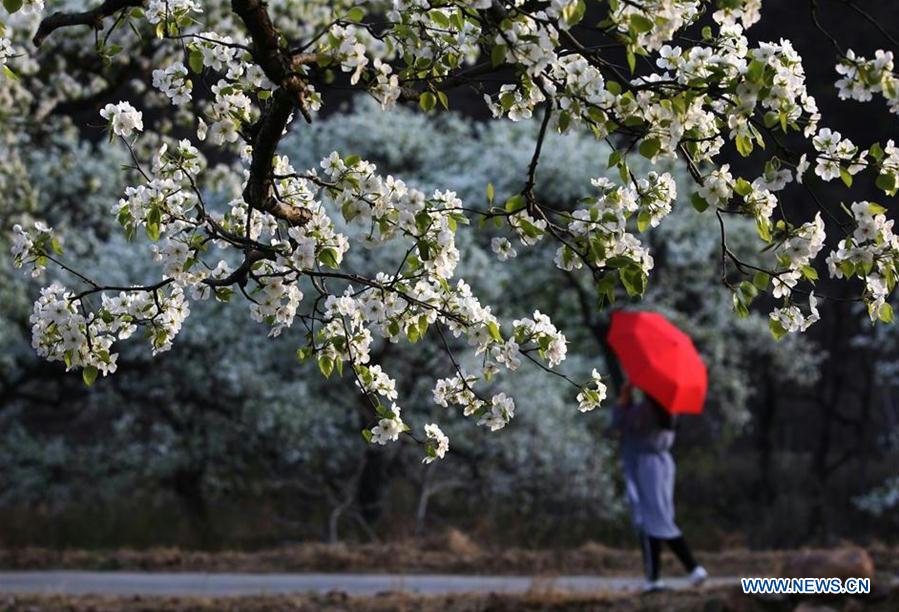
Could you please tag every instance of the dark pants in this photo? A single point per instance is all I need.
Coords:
(652, 552)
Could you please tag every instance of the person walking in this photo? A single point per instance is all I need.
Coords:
(646, 431)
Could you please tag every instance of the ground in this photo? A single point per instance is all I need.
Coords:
(453, 554)
(721, 600)
(450, 553)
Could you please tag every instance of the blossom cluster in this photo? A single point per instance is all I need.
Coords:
(438, 445)
(173, 82)
(32, 248)
(6, 50)
(861, 78)
(838, 157)
(593, 394)
(600, 234)
(64, 330)
(123, 119)
(871, 253)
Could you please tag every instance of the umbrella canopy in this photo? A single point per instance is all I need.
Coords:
(660, 359)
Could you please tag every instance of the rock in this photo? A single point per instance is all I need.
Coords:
(853, 562)
(460, 544)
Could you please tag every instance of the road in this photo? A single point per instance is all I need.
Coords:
(223, 584)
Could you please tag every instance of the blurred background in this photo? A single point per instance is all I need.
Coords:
(227, 442)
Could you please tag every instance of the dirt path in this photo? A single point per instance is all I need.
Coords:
(233, 584)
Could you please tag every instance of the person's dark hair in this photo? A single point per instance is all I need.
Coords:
(664, 418)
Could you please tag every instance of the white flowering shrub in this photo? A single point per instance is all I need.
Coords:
(232, 217)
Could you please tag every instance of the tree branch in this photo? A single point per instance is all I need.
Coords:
(93, 18)
(259, 191)
(277, 64)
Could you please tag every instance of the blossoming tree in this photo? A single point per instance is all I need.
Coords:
(653, 78)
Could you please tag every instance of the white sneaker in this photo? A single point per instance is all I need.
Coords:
(651, 586)
(698, 575)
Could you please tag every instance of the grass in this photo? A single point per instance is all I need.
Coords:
(452, 552)
(711, 600)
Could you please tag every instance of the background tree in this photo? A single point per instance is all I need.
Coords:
(236, 217)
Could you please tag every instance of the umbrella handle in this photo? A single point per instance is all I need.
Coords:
(625, 394)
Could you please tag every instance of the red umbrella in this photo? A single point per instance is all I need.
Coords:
(660, 359)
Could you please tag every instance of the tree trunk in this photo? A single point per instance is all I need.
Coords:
(188, 486)
(764, 446)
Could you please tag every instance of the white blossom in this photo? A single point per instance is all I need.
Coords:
(440, 445)
(123, 119)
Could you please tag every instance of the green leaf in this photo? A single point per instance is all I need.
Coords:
(394, 328)
(761, 280)
(153, 231)
(624, 172)
(195, 61)
(886, 183)
(885, 313)
(573, 13)
(326, 365)
(9, 73)
(640, 23)
(605, 287)
(493, 328)
(497, 55)
(777, 330)
(366, 433)
(12, 6)
(847, 178)
(763, 227)
(744, 145)
(440, 18)
(756, 71)
(877, 151)
(809, 273)
(643, 220)
(427, 101)
(355, 14)
(748, 291)
(89, 373)
(491, 193)
(699, 202)
(424, 250)
(631, 60)
(328, 257)
(742, 187)
(740, 306)
(516, 202)
(614, 158)
(633, 279)
(847, 268)
(650, 147)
